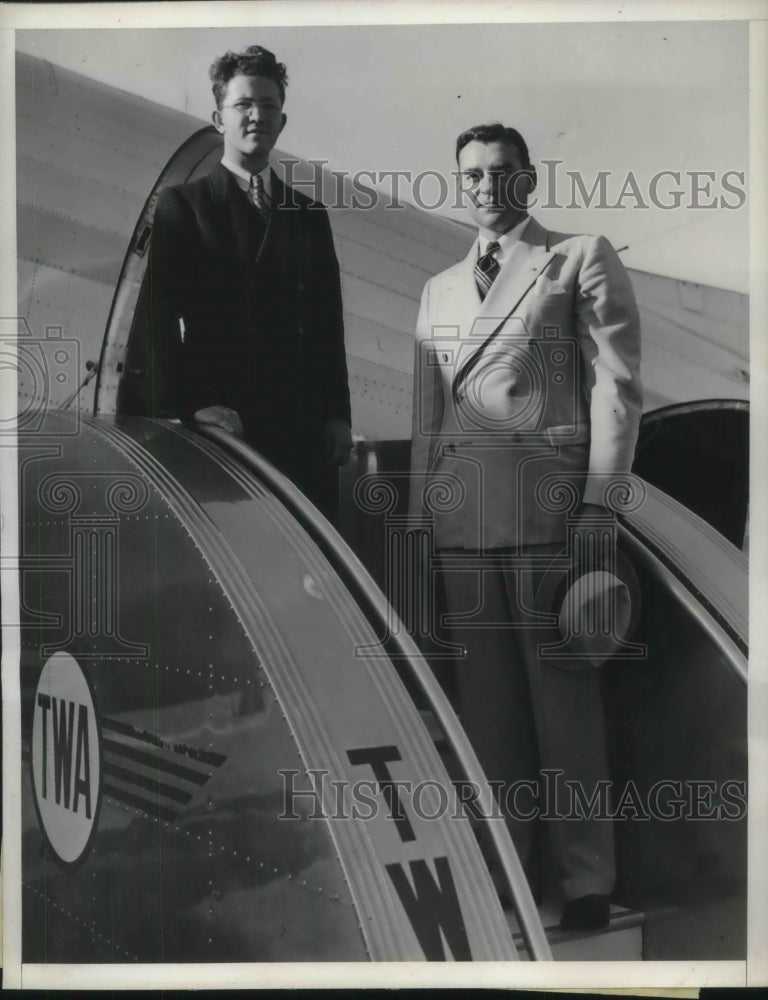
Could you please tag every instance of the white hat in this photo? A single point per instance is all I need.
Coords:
(595, 616)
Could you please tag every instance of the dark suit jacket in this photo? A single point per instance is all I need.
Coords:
(261, 316)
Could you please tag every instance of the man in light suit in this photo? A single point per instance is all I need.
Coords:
(246, 329)
(527, 402)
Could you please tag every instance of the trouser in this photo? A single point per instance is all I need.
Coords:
(525, 716)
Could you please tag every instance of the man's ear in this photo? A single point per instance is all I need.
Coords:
(217, 121)
(524, 181)
(284, 119)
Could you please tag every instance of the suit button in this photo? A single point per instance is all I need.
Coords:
(300, 329)
(301, 286)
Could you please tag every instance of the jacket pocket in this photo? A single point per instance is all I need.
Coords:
(544, 287)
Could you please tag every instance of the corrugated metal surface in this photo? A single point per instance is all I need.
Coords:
(87, 155)
(695, 340)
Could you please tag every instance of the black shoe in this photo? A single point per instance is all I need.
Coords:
(587, 913)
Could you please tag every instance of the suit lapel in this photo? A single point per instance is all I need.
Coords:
(228, 200)
(279, 235)
(528, 259)
(525, 263)
(465, 299)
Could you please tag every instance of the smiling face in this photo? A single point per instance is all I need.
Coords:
(497, 185)
(250, 119)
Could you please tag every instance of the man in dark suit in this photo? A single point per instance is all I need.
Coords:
(246, 315)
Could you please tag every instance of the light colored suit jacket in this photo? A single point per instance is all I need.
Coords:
(529, 402)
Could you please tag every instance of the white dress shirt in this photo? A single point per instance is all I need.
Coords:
(507, 242)
(243, 177)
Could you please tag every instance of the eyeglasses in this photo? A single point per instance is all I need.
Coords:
(245, 107)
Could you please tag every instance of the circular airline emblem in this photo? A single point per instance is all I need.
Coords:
(66, 759)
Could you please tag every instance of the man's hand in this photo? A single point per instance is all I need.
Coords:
(338, 441)
(221, 416)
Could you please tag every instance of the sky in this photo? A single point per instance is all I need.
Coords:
(631, 99)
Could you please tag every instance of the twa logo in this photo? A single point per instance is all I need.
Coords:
(66, 759)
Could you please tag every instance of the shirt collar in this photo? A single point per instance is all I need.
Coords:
(507, 241)
(243, 177)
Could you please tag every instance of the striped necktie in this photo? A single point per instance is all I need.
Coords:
(486, 269)
(258, 195)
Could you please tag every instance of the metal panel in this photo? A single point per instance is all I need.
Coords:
(134, 165)
(366, 228)
(94, 202)
(695, 340)
(49, 238)
(59, 305)
(715, 313)
(394, 641)
(378, 343)
(192, 737)
(677, 366)
(677, 723)
(222, 648)
(98, 117)
(711, 566)
(381, 401)
(375, 302)
(361, 261)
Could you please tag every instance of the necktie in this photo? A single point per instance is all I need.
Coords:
(258, 195)
(486, 269)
